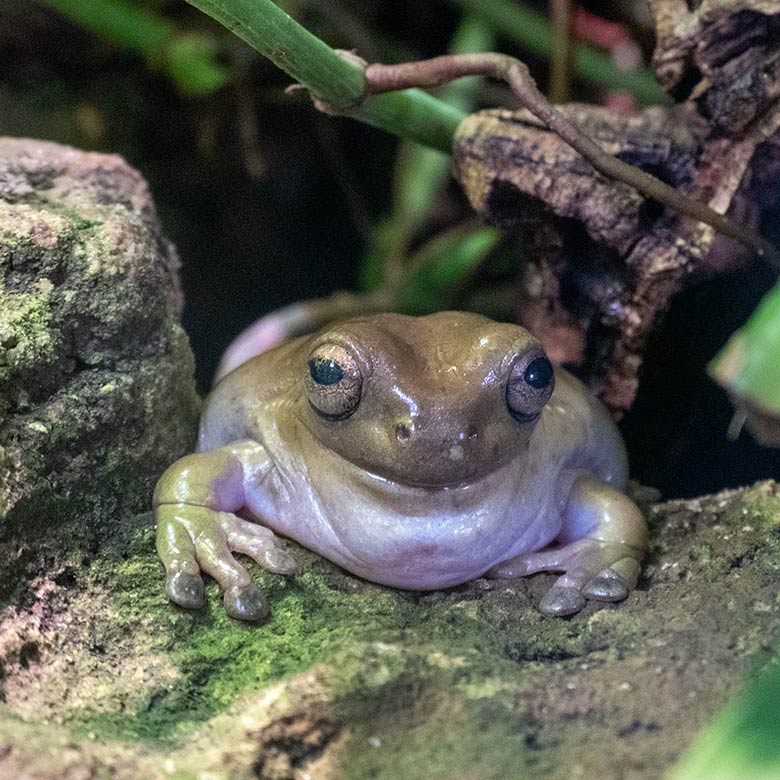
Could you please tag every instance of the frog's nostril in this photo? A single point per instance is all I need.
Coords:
(470, 433)
(402, 432)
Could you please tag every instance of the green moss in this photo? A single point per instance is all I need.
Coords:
(25, 325)
(378, 644)
(370, 637)
(318, 617)
(702, 554)
(468, 682)
(761, 503)
(427, 685)
(73, 214)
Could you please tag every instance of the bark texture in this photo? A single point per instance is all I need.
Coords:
(604, 262)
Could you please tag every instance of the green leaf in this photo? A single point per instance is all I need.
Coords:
(743, 743)
(749, 365)
(442, 264)
(410, 113)
(372, 269)
(420, 172)
(188, 58)
(189, 62)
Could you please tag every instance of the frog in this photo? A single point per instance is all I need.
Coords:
(418, 453)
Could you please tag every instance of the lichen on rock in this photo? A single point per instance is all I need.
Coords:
(96, 388)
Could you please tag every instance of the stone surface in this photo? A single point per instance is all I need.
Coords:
(102, 678)
(96, 389)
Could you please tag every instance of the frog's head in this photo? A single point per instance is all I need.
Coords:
(432, 401)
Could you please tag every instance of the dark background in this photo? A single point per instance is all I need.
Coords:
(264, 222)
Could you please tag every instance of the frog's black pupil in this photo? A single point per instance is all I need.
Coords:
(325, 372)
(538, 373)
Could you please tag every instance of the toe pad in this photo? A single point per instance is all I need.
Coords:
(186, 590)
(246, 602)
(606, 586)
(562, 601)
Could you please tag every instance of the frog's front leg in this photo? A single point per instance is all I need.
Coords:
(600, 547)
(195, 502)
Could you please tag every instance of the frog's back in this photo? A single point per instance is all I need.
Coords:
(236, 404)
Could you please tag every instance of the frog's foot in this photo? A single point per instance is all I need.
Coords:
(602, 542)
(594, 570)
(191, 539)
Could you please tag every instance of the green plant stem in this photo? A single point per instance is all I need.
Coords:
(560, 57)
(535, 34)
(338, 84)
(187, 58)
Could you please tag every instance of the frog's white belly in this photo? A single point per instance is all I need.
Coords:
(414, 538)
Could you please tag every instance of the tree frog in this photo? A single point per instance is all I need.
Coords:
(415, 452)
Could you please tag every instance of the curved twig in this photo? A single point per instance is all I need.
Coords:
(441, 70)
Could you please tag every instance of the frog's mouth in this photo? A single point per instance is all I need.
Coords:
(450, 470)
(443, 452)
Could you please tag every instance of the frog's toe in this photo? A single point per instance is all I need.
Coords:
(608, 585)
(267, 553)
(279, 561)
(260, 544)
(562, 600)
(246, 602)
(185, 589)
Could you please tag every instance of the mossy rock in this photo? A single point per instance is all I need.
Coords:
(353, 680)
(96, 375)
(102, 678)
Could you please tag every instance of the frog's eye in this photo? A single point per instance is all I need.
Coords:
(530, 385)
(333, 381)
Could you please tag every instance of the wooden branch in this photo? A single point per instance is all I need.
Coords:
(441, 70)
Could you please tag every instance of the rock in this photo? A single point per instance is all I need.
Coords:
(103, 677)
(96, 375)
